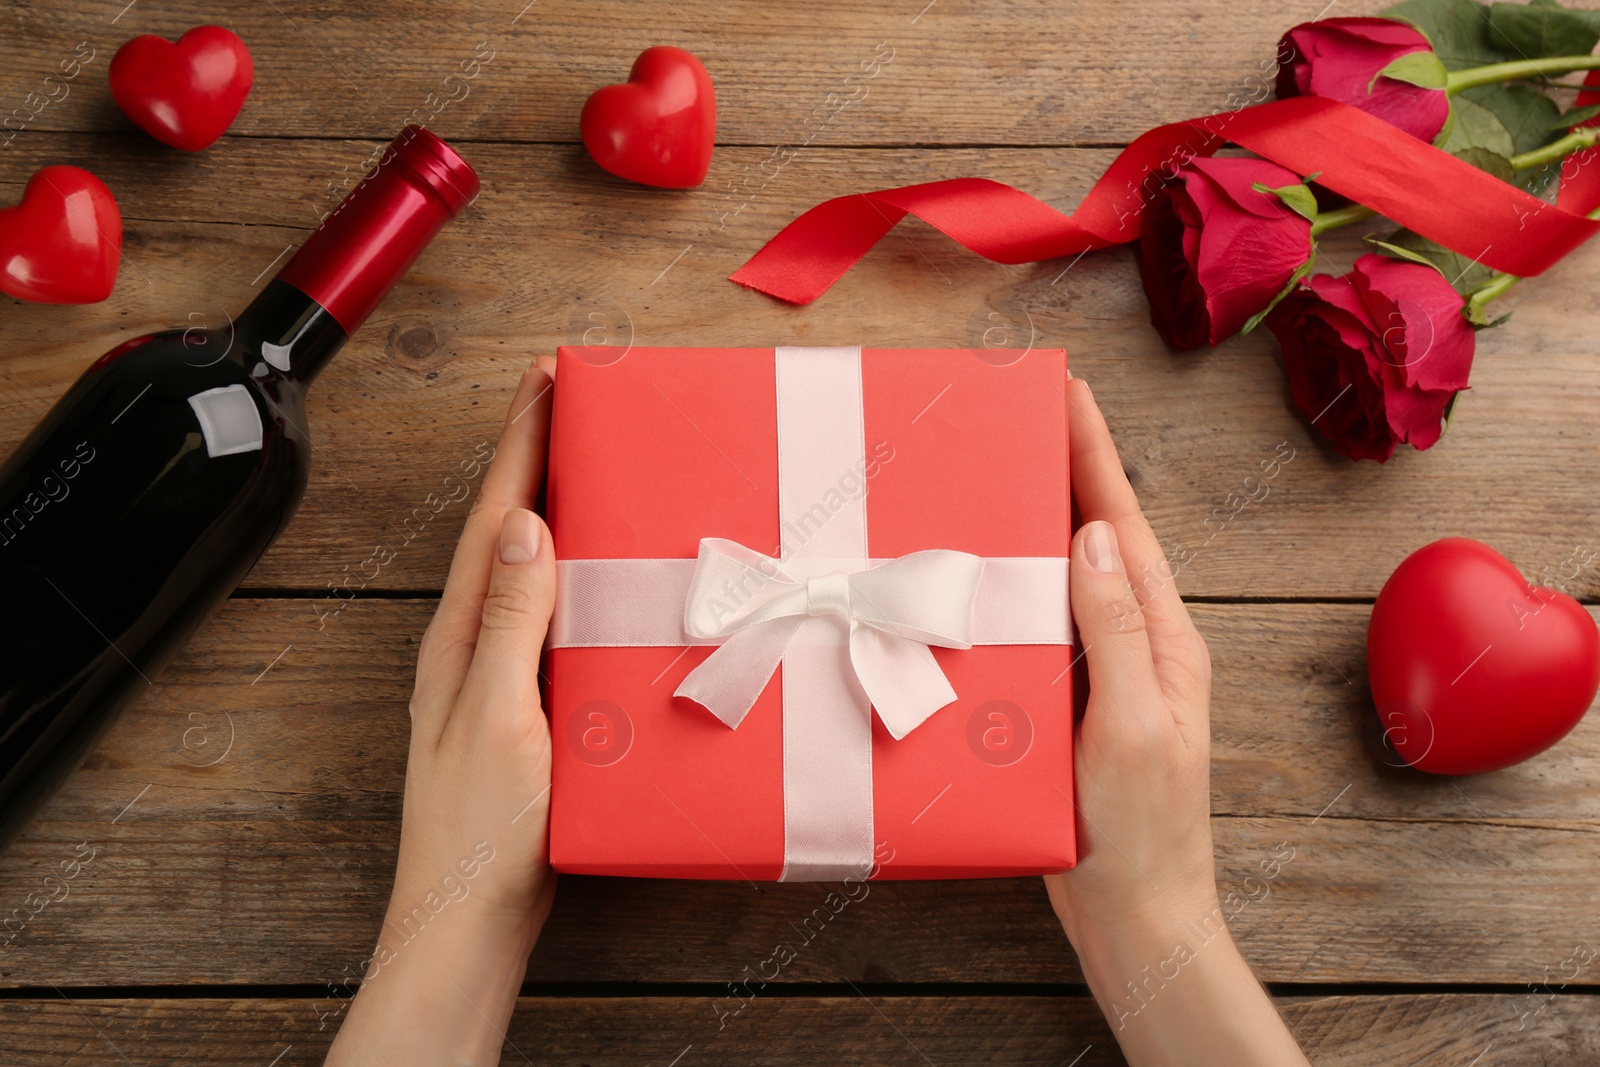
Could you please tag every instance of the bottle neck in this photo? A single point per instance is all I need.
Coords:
(329, 287)
(296, 335)
(364, 247)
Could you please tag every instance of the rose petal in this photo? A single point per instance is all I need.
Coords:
(1177, 306)
(1340, 292)
(1232, 179)
(1438, 342)
(1339, 58)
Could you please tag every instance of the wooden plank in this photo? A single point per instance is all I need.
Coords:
(1293, 728)
(779, 1031)
(1028, 72)
(551, 255)
(245, 817)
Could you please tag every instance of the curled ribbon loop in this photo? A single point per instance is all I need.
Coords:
(887, 614)
(1352, 153)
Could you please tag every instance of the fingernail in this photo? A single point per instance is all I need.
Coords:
(519, 537)
(1100, 547)
(1069, 374)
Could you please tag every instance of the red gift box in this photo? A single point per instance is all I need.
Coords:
(656, 450)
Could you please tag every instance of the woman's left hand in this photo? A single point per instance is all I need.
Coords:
(473, 885)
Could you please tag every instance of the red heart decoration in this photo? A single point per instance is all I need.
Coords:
(185, 94)
(1473, 668)
(658, 127)
(63, 243)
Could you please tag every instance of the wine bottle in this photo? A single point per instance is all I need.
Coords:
(152, 487)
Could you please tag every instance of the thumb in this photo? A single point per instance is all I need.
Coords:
(516, 615)
(1122, 677)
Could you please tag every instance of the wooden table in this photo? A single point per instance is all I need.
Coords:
(243, 817)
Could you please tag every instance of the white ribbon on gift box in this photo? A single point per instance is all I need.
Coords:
(852, 632)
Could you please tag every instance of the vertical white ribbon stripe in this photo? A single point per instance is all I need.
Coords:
(827, 719)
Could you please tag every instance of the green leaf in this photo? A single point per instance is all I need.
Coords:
(1569, 119)
(1447, 130)
(1537, 180)
(1476, 126)
(1492, 162)
(1457, 29)
(1395, 251)
(1524, 111)
(1475, 311)
(1414, 68)
(1462, 273)
(1543, 29)
(1450, 411)
(1293, 283)
(1297, 197)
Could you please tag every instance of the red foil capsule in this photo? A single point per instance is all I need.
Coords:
(360, 251)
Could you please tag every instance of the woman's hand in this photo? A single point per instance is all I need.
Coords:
(1143, 750)
(1141, 906)
(473, 885)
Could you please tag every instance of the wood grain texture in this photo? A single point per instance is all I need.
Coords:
(553, 253)
(779, 1031)
(243, 817)
(960, 71)
(246, 815)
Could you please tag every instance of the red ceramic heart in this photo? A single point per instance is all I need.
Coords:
(185, 94)
(63, 243)
(1472, 668)
(657, 128)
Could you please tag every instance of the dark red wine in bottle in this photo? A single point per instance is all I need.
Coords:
(153, 486)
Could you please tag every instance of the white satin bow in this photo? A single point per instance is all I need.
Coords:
(892, 613)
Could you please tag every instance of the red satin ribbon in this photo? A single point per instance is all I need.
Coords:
(1353, 154)
(1580, 174)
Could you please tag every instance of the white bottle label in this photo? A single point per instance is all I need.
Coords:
(228, 420)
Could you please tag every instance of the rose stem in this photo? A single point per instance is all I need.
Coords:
(1458, 80)
(1342, 216)
(1496, 285)
(1587, 137)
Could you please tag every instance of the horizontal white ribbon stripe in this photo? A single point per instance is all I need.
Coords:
(639, 603)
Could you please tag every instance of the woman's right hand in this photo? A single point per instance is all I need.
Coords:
(1143, 753)
(1141, 907)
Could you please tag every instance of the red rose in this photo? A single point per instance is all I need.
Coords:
(1374, 357)
(1339, 59)
(1213, 251)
